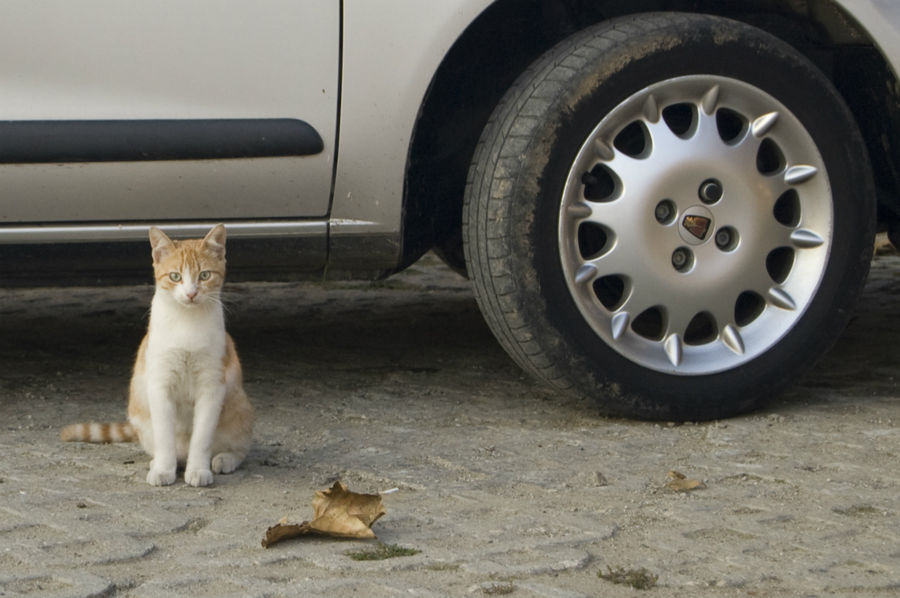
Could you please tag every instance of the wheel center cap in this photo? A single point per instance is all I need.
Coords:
(696, 224)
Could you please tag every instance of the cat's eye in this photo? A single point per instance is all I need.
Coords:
(205, 275)
(175, 276)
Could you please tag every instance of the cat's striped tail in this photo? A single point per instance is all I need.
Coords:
(100, 433)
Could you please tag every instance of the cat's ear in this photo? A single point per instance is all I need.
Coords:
(215, 241)
(162, 245)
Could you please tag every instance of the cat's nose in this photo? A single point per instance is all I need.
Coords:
(191, 293)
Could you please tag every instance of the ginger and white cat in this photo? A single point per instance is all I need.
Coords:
(187, 404)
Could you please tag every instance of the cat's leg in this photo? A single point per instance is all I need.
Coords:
(235, 431)
(162, 416)
(207, 408)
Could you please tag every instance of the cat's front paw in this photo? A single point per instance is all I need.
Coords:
(198, 477)
(157, 477)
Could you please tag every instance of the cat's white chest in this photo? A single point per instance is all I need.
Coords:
(196, 331)
(185, 349)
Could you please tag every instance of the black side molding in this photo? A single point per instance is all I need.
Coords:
(46, 141)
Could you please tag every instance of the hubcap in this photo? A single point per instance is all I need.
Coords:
(695, 225)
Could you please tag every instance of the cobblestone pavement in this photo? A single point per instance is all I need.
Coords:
(504, 487)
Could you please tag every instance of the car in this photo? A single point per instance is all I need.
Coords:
(666, 205)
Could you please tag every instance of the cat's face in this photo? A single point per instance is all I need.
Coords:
(191, 271)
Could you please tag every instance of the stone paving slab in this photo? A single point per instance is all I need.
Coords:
(504, 487)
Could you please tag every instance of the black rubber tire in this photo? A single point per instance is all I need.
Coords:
(514, 191)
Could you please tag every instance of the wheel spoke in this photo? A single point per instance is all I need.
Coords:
(756, 279)
(763, 124)
(636, 303)
(651, 109)
(710, 100)
(579, 211)
(767, 239)
(678, 317)
(721, 307)
(732, 339)
(795, 175)
(779, 297)
(674, 348)
(803, 238)
(619, 324)
(603, 150)
(586, 274)
(615, 261)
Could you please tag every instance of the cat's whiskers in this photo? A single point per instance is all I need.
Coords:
(216, 299)
(226, 300)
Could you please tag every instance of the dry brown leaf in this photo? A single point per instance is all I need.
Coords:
(284, 531)
(680, 482)
(337, 512)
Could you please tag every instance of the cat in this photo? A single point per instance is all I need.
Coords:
(186, 405)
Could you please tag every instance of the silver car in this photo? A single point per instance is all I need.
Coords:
(666, 205)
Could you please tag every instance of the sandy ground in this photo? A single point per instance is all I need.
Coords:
(504, 486)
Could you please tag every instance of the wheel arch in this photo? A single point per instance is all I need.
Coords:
(494, 50)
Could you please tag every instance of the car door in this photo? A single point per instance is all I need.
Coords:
(118, 111)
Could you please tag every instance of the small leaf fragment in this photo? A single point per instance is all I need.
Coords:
(680, 482)
(639, 579)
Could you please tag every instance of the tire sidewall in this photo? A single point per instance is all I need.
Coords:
(688, 46)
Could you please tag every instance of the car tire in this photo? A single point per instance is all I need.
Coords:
(671, 213)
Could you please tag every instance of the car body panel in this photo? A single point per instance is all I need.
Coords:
(96, 60)
(881, 20)
(389, 58)
(391, 52)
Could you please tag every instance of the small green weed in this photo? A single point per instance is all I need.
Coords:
(382, 552)
(442, 566)
(639, 579)
(499, 589)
